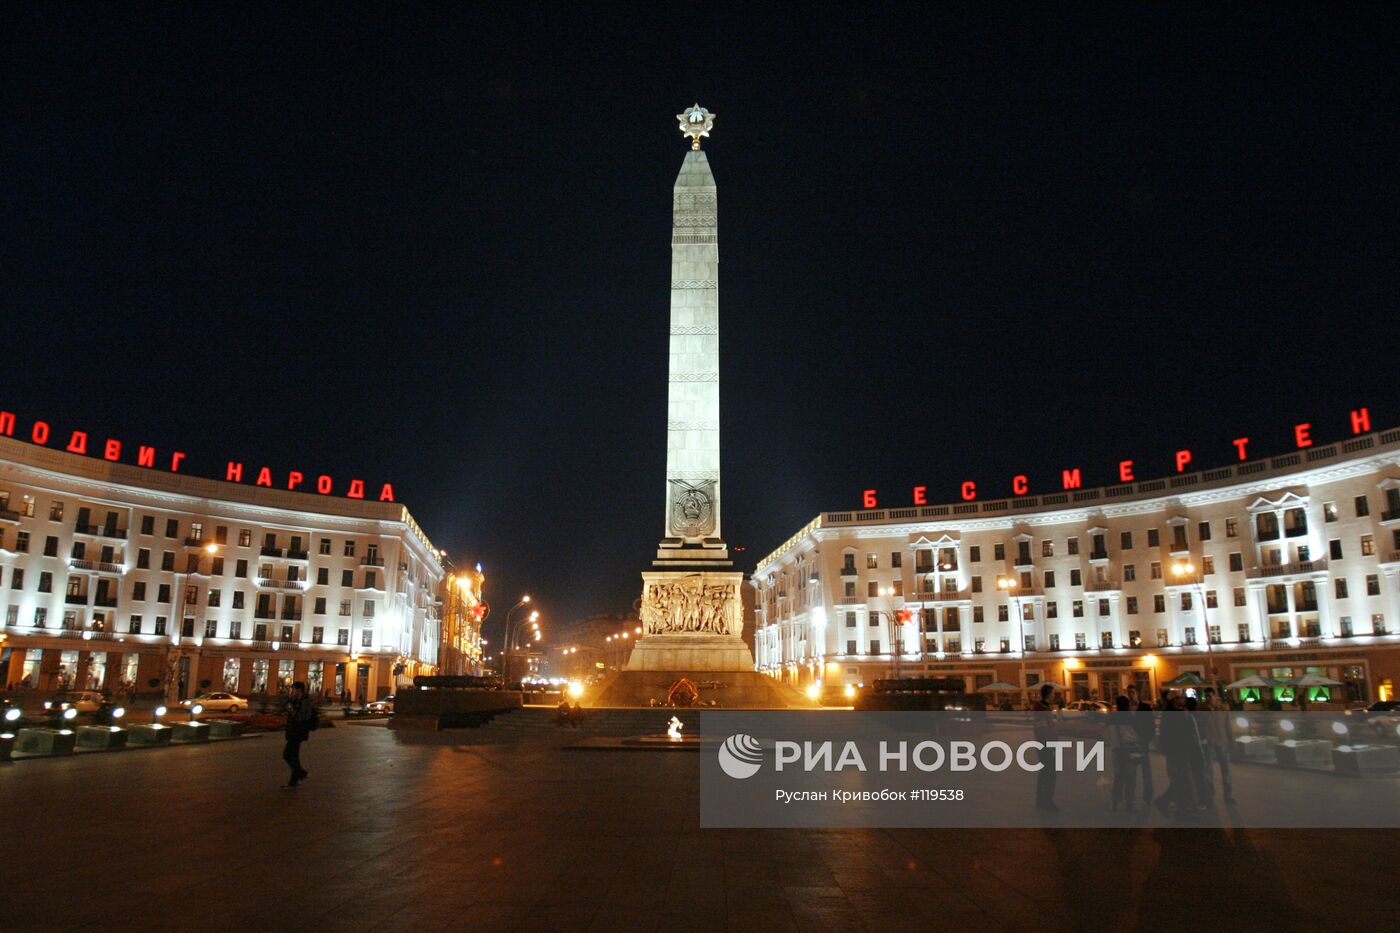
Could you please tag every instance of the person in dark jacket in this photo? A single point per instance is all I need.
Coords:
(1181, 743)
(1145, 722)
(301, 718)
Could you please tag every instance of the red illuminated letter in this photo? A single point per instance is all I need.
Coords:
(112, 450)
(264, 477)
(40, 434)
(175, 459)
(387, 493)
(294, 479)
(1240, 443)
(234, 472)
(7, 423)
(869, 499)
(1301, 435)
(1070, 478)
(1020, 485)
(145, 456)
(323, 485)
(969, 490)
(1125, 470)
(357, 489)
(1361, 421)
(921, 495)
(77, 444)
(1183, 457)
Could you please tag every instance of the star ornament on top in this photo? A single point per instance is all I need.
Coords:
(696, 121)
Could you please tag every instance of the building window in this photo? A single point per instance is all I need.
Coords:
(211, 628)
(850, 620)
(1213, 633)
(1363, 507)
(1079, 640)
(17, 579)
(872, 588)
(850, 646)
(872, 561)
(1207, 566)
(160, 625)
(1132, 605)
(1105, 639)
(187, 627)
(1129, 573)
(1029, 642)
(46, 582)
(1052, 609)
(1076, 578)
(319, 606)
(172, 528)
(148, 524)
(41, 617)
(1103, 607)
(1179, 538)
(1154, 570)
(1125, 540)
(974, 553)
(214, 597)
(167, 561)
(235, 629)
(345, 607)
(1154, 538)
(1005, 645)
(1049, 579)
(1159, 603)
(1190, 637)
(1373, 584)
(1076, 608)
(977, 614)
(1054, 641)
(350, 548)
(999, 552)
(1047, 548)
(367, 638)
(245, 537)
(1239, 596)
(1162, 640)
(1186, 602)
(134, 627)
(238, 599)
(1341, 587)
(1204, 530)
(896, 560)
(1368, 545)
(1378, 624)
(138, 590)
(1211, 600)
(977, 584)
(1003, 615)
(1072, 546)
(849, 588)
(324, 546)
(50, 546)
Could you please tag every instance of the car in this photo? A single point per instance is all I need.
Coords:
(384, 705)
(216, 702)
(1087, 706)
(84, 701)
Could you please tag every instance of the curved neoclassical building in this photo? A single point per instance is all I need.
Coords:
(113, 576)
(1287, 565)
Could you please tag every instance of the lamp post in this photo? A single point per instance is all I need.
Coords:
(896, 622)
(505, 640)
(1186, 571)
(178, 600)
(1008, 585)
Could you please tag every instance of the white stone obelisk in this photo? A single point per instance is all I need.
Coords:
(692, 613)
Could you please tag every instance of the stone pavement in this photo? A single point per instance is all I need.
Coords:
(508, 832)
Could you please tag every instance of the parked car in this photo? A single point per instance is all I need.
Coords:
(1087, 706)
(85, 702)
(217, 702)
(385, 705)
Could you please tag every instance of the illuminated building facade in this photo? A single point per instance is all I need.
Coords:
(1288, 565)
(127, 579)
(463, 610)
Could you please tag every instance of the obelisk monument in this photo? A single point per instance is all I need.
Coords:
(692, 615)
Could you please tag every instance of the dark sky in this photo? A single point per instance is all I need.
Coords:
(431, 246)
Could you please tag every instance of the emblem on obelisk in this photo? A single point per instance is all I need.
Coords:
(692, 511)
(696, 122)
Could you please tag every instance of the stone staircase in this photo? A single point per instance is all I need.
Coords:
(620, 723)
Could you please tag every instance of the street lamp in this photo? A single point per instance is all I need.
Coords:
(1185, 571)
(1008, 585)
(506, 643)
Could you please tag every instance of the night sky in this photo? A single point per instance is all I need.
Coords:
(431, 246)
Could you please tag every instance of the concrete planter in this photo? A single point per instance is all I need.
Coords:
(1304, 753)
(45, 741)
(149, 735)
(1256, 748)
(101, 737)
(224, 728)
(1366, 759)
(186, 733)
(7, 745)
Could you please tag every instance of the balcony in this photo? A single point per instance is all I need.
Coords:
(97, 565)
(1390, 557)
(109, 603)
(76, 599)
(1098, 555)
(849, 571)
(100, 531)
(298, 555)
(261, 646)
(266, 583)
(9, 515)
(368, 561)
(851, 600)
(99, 635)
(1390, 516)
(941, 596)
(1105, 586)
(1286, 570)
(291, 616)
(271, 552)
(197, 542)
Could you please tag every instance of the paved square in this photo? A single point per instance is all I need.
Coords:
(503, 830)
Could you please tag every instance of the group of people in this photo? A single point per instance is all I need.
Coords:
(1194, 747)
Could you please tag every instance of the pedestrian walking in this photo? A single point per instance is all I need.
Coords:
(302, 720)
(1047, 729)
(1145, 724)
(1180, 743)
(1129, 756)
(1215, 729)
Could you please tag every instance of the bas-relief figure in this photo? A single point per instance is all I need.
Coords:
(690, 606)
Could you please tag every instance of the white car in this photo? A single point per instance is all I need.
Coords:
(385, 705)
(217, 702)
(85, 701)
